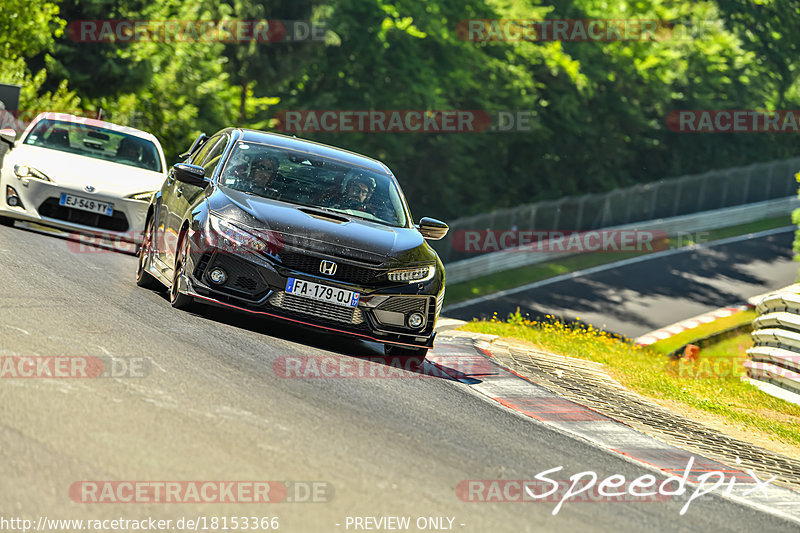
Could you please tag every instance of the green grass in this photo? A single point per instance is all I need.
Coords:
(458, 292)
(735, 347)
(711, 386)
(690, 335)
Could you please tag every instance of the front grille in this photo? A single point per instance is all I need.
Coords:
(344, 272)
(335, 251)
(116, 222)
(248, 284)
(323, 310)
(242, 276)
(404, 304)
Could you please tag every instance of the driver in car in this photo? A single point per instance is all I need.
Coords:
(129, 150)
(263, 179)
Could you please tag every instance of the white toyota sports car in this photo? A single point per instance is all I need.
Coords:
(80, 174)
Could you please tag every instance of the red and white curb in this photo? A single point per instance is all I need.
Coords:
(464, 356)
(678, 327)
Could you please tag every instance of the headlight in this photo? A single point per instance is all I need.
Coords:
(142, 196)
(411, 275)
(26, 172)
(232, 238)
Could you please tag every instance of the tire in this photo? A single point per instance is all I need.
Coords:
(5, 221)
(177, 299)
(143, 278)
(410, 357)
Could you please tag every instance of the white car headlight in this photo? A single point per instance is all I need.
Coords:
(412, 275)
(142, 196)
(26, 172)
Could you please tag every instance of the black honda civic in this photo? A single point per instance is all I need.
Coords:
(295, 230)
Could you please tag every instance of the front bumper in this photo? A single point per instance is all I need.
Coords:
(257, 285)
(40, 204)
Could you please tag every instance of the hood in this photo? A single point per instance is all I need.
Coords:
(78, 171)
(333, 233)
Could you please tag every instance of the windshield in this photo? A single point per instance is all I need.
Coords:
(96, 142)
(298, 178)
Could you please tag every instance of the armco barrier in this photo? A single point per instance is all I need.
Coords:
(491, 263)
(664, 199)
(775, 357)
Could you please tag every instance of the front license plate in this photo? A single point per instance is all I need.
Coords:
(323, 293)
(86, 204)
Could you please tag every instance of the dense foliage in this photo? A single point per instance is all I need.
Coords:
(599, 108)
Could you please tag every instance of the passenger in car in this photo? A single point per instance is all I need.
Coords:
(58, 137)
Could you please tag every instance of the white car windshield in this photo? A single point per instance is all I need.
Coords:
(309, 180)
(96, 142)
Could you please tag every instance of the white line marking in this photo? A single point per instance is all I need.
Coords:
(616, 264)
(17, 329)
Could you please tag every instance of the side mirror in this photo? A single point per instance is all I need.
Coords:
(432, 229)
(9, 136)
(199, 142)
(190, 174)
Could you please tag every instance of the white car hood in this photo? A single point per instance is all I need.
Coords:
(77, 171)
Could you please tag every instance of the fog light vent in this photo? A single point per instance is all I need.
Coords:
(416, 320)
(12, 198)
(218, 276)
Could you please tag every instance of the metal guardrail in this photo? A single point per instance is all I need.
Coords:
(775, 357)
(667, 198)
(482, 265)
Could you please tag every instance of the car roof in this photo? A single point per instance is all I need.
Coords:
(314, 148)
(66, 117)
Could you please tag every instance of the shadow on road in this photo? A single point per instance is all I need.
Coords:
(711, 277)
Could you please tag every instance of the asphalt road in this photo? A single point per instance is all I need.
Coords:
(211, 408)
(638, 298)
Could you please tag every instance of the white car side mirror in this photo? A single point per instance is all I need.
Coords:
(8, 135)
